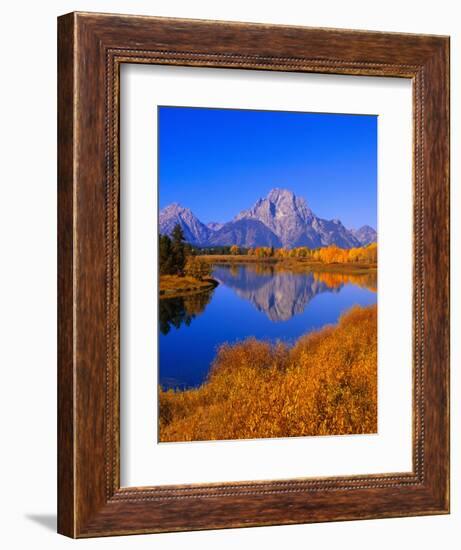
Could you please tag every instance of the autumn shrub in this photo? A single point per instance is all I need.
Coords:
(325, 384)
(197, 267)
(334, 254)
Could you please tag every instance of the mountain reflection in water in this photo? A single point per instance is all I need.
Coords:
(282, 294)
(252, 300)
(279, 294)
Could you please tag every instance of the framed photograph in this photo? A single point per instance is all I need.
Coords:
(253, 275)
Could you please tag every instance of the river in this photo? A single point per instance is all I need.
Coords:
(252, 300)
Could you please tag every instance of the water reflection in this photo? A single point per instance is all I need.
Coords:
(282, 294)
(336, 280)
(173, 312)
(267, 302)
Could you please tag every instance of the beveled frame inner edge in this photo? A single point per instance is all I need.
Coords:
(114, 57)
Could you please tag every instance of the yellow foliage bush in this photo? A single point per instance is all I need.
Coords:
(333, 254)
(326, 384)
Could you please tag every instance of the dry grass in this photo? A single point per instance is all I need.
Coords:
(237, 259)
(300, 265)
(174, 285)
(326, 384)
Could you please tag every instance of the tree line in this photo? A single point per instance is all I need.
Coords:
(176, 257)
(329, 254)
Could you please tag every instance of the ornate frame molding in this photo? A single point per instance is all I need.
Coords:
(91, 49)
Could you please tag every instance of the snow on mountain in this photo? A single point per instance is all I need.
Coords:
(290, 218)
(195, 231)
(280, 219)
(245, 233)
(214, 226)
(365, 235)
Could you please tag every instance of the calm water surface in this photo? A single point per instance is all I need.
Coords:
(251, 300)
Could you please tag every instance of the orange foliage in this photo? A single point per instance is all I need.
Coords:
(325, 384)
(333, 254)
(264, 252)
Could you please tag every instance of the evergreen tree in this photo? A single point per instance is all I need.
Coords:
(178, 248)
(165, 256)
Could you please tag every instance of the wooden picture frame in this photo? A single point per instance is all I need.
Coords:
(92, 47)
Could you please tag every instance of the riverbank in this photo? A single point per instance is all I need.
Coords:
(325, 384)
(174, 286)
(294, 264)
(300, 265)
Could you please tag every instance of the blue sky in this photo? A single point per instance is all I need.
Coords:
(218, 162)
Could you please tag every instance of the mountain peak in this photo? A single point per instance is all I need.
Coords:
(365, 235)
(174, 208)
(277, 194)
(194, 230)
(285, 214)
(279, 219)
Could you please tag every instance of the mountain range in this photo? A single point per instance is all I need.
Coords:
(280, 219)
(280, 296)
